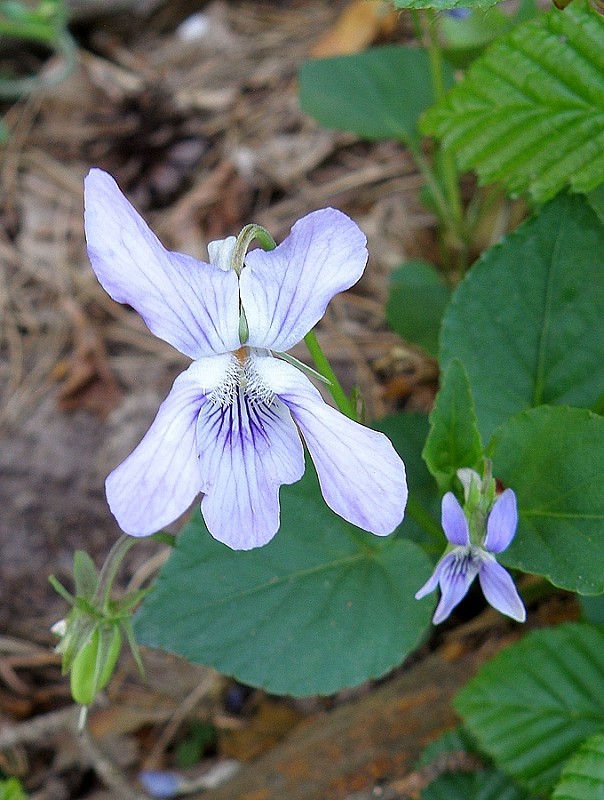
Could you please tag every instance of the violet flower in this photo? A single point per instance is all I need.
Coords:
(231, 424)
(463, 561)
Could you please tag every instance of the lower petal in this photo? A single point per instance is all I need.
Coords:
(456, 578)
(361, 476)
(500, 590)
(246, 450)
(160, 479)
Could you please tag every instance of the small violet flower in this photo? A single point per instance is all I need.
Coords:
(463, 561)
(231, 424)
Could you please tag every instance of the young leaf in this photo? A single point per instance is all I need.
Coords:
(535, 702)
(416, 304)
(553, 458)
(378, 94)
(454, 440)
(526, 320)
(583, 774)
(323, 606)
(530, 111)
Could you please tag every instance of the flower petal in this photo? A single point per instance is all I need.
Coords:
(454, 522)
(500, 591)
(361, 476)
(433, 581)
(502, 522)
(246, 451)
(190, 304)
(285, 292)
(456, 577)
(160, 479)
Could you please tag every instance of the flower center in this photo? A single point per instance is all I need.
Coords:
(242, 380)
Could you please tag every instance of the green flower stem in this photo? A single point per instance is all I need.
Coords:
(342, 400)
(110, 568)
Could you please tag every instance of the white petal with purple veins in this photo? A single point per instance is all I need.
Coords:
(361, 476)
(247, 449)
(160, 479)
(285, 292)
(190, 304)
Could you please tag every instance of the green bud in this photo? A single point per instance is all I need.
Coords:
(94, 663)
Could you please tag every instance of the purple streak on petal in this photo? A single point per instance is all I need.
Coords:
(247, 450)
(432, 583)
(457, 574)
(285, 292)
(160, 479)
(454, 522)
(502, 523)
(190, 304)
(361, 476)
(500, 591)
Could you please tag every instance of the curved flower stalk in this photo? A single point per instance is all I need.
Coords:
(231, 424)
(463, 560)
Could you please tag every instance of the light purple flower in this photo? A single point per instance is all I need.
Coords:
(231, 424)
(463, 561)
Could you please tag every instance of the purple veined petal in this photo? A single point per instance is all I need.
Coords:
(500, 590)
(432, 583)
(361, 476)
(285, 292)
(457, 574)
(190, 304)
(247, 450)
(454, 522)
(160, 479)
(502, 522)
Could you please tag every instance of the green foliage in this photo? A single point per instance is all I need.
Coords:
(454, 440)
(444, 5)
(486, 784)
(416, 304)
(378, 94)
(530, 111)
(554, 460)
(583, 775)
(593, 608)
(533, 704)
(11, 789)
(321, 607)
(524, 320)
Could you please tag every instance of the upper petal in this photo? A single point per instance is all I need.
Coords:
(285, 292)
(502, 522)
(246, 451)
(361, 476)
(454, 522)
(160, 478)
(500, 591)
(190, 304)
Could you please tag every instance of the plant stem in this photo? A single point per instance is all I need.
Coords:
(337, 392)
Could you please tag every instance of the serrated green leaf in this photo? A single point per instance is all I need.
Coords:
(454, 440)
(487, 784)
(321, 607)
(583, 775)
(378, 94)
(593, 608)
(416, 303)
(553, 458)
(595, 198)
(535, 702)
(527, 318)
(530, 111)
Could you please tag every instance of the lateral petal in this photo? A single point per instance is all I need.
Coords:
(500, 590)
(456, 577)
(246, 451)
(361, 476)
(285, 292)
(190, 304)
(160, 479)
